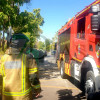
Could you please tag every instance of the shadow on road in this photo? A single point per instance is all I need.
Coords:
(67, 95)
(48, 70)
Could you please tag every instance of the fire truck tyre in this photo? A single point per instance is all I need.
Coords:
(89, 85)
(62, 70)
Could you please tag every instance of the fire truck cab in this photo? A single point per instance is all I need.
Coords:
(78, 48)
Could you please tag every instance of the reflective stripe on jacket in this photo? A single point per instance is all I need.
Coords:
(33, 70)
(34, 77)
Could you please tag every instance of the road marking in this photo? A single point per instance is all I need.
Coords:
(51, 80)
(60, 87)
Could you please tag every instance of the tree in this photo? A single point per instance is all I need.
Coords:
(0, 39)
(9, 9)
(41, 45)
(54, 41)
(47, 43)
(29, 22)
(24, 22)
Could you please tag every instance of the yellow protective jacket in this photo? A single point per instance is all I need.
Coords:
(17, 71)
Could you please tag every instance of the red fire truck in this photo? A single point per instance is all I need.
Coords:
(78, 48)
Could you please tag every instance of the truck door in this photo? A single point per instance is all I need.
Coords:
(80, 41)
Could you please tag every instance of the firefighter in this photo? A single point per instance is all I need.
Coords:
(19, 71)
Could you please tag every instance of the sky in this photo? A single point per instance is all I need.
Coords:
(56, 12)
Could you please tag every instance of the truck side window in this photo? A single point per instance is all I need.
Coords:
(81, 28)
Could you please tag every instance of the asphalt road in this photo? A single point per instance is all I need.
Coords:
(53, 86)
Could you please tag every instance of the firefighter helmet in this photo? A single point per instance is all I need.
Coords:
(19, 40)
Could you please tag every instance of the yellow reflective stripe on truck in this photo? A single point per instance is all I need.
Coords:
(67, 68)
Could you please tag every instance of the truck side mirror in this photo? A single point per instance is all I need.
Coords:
(95, 23)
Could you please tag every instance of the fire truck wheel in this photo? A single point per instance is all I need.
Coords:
(62, 70)
(90, 84)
